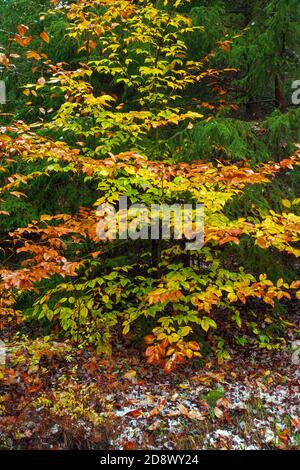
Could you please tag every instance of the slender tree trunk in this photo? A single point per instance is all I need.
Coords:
(279, 95)
(155, 252)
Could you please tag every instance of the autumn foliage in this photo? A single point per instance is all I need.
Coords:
(115, 113)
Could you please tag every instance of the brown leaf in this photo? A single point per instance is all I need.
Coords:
(156, 425)
(223, 402)
(131, 375)
(8, 420)
(284, 436)
(183, 410)
(195, 414)
(296, 422)
(130, 445)
(135, 413)
(35, 388)
(218, 412)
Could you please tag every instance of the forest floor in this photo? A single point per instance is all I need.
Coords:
(52, 397)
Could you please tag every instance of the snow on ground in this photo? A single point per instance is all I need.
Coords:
(244, 408)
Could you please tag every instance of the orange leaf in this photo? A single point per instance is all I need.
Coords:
(22, 29)
(261, 243)
(33, 55)
(194, 345)
(135, 413)
(92, 44)
(45, 37)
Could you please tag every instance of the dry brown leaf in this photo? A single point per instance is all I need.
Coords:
(131, 375)
(218, 412)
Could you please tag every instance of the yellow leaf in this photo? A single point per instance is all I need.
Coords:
(130, 375)
(286, 203)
